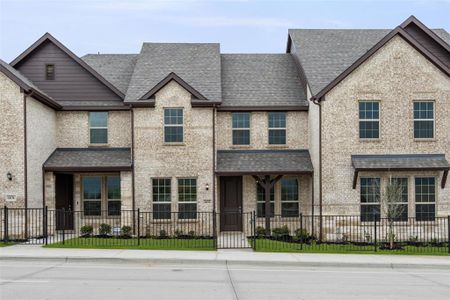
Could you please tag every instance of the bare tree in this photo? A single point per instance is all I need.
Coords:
(393, 206)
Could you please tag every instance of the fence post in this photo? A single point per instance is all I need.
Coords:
(375, 234)
(254, 229)
(448, 229)
(138, 226)
(5, 224)
(45, 224)
(301, 231)
(215, 229)
(63, 225)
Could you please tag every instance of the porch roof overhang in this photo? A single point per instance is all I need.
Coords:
(89, 160)
(263, 162)
(400, 162)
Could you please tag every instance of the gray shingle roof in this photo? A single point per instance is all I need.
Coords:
(263, 162)
(116, 68)
(89, 159)
(197, 64)
(400, 161)
(261, 80)
(326, 53)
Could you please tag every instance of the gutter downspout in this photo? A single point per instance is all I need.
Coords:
(25, 157)
(133, 202)
(214, 159)
(317, 102)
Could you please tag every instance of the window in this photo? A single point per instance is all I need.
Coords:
(241, 128)
(370, 199)
(161, 199)
(113, 192)
(425, 198)
(369, 120)
(187, 198)
(423, 119)
(92, 195)
(50, 72)
(400, 211)
(98, 127)
(261, 201)
(277, 128)
(289, 197)
(173, 125)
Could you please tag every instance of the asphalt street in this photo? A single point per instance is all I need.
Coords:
(93, 280)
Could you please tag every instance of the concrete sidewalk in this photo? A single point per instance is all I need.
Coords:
(28, 252)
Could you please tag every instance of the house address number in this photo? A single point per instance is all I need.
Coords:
(10, 197)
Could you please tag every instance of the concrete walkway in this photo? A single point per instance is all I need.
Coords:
(28, 252)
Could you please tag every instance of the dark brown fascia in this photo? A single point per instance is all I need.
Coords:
(166, 80)
(444, 169)
(48, 36)
(263, 108)
(88, 169)
(95, 108)
(397, 31)
(258, 173)
(434, 36)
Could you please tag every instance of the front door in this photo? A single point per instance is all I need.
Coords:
(231, 203)
(64, 201)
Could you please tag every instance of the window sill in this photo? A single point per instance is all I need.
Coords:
(174, 144)
(279, 146)
(240, 146)
(425, 140)
(365, 140)
(98, 145)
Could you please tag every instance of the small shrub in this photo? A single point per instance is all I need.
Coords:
(163, 234)
(104, 229)
(413, 240)
(281, 233)
(302, 235)
(86, 230)
(191, 234)
(125, 232)
(179, 234)
(260, 231)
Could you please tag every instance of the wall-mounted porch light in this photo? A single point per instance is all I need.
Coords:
(9, 176)
(207, 186)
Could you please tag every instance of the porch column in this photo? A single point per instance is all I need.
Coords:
(266, 183)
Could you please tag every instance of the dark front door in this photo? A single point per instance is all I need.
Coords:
(64, 201)
(231, 203)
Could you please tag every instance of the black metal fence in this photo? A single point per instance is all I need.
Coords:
(211, 230)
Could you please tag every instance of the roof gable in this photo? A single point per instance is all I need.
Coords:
(327, 55)
(75, 80)
(197, 64)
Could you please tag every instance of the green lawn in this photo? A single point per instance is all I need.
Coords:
(5, 244)
(145, 244)
(264, 245)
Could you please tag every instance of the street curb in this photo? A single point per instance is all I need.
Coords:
(223, 262)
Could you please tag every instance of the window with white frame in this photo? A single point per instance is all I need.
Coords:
(173, 125)
(161, 198)
(98, 127)
(241, 128)
(423, 119)
(92, 195)
(277, 128)
(400, 209)
(425, 189)
(261, 201)
(187, 198)
(369, 119)
(113, 192)
(370, 199)
(289, 197)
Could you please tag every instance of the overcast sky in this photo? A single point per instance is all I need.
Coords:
(246, 26)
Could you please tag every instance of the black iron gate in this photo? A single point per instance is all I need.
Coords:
(243, 236)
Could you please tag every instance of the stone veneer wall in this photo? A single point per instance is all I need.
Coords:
(41, 142)
(396, 75)
(296, 131)
(11, 142)
(155, 159)
(73, 129)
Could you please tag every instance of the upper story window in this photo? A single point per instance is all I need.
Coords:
(423, 119)
(241, 128)
(98, 127)
(173, 125)
(50, 72)
(370, 199)
(369, 120)
(277, 128)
